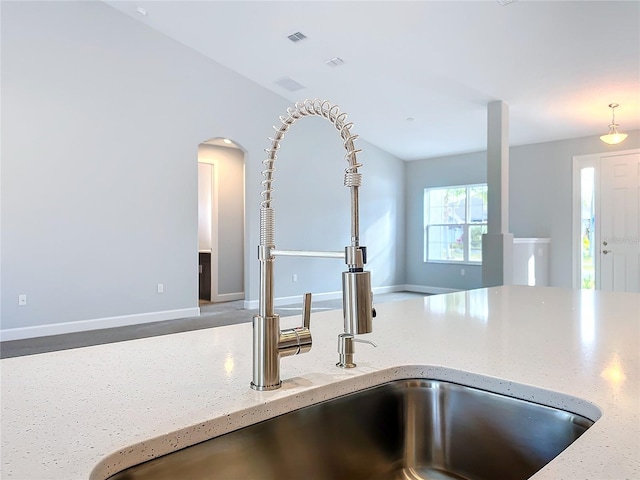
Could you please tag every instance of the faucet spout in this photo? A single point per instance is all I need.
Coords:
(269, 342)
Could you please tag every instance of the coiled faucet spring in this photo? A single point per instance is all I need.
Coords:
(352, 178)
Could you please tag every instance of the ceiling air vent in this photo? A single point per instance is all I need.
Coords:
(335, 62)
(289, 84)
(296, 37)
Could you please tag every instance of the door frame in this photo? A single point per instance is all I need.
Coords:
(579, 162)
(215, 297)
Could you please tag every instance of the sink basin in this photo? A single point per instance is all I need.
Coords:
(405, 429)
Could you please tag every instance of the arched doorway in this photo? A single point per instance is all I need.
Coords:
(221, 220)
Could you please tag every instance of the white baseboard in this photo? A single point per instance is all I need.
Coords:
(389, 289)
(95, 324)
(227, 297)
(137, 319)
(278, 302)
(428, 289)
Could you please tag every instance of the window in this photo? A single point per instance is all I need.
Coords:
(587, 227)
(454, 220)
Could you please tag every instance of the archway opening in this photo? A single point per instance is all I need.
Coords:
(221, 219)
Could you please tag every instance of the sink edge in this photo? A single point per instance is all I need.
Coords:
(290, 398)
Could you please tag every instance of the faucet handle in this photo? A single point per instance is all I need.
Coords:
(359, 340)
(306, 311)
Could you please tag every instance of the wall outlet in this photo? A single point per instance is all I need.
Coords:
(294, 277)
(22, 299)
(462, 272)
(161, 288)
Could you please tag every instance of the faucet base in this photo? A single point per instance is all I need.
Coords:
(270, 344)
(261, 388)
(266, 360)
(346, 364)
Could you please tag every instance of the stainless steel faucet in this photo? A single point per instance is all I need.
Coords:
(269, 342)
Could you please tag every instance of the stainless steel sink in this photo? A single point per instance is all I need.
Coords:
(406, 429)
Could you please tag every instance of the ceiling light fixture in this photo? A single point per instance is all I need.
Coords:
(613, 137)
(227, 141)
(142, 11)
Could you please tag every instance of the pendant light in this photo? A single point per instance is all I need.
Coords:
(613, 137)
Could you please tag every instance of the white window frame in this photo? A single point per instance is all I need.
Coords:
(465, 226)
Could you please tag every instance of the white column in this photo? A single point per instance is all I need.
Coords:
(497, 244)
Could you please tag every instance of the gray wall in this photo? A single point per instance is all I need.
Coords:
(438, 172)
(541, 194)
(312, 208)
(540, 202)
(230, 228)
(102, 118)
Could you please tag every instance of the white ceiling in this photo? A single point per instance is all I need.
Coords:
(557, 64)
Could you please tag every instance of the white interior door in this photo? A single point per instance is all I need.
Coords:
(619, 249)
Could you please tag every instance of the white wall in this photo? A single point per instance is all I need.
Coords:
(102, 118)
(540, 202)
(205, 206)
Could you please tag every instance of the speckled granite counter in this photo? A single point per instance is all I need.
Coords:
(91, 412)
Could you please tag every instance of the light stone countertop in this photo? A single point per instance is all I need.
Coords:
(91, 412)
